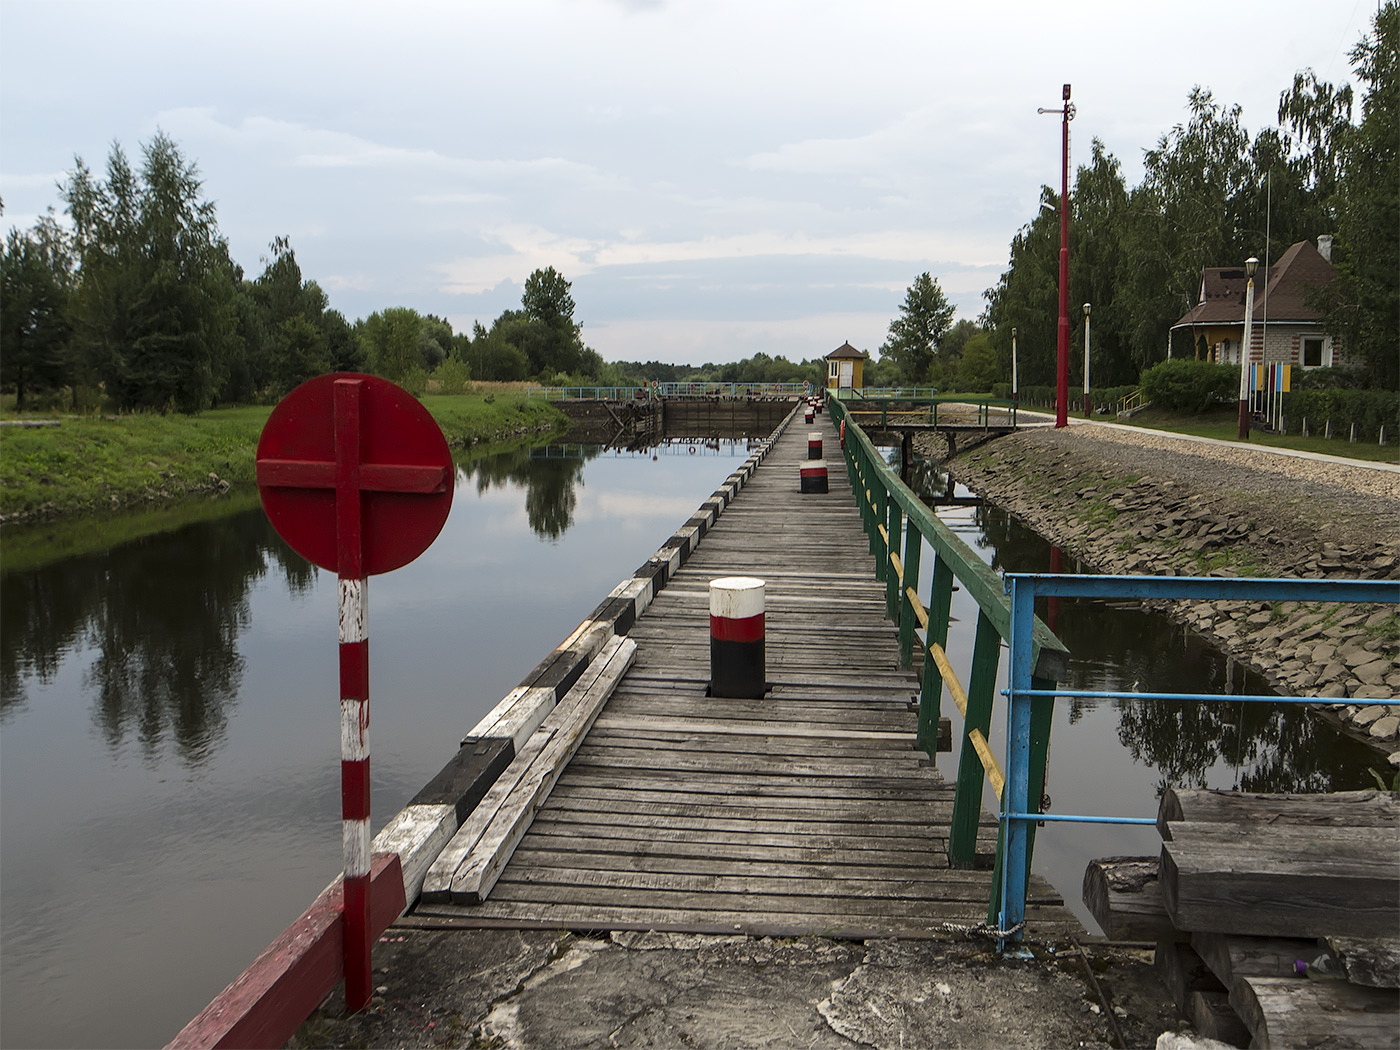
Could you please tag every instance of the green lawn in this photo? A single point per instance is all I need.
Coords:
(1223, 424)
(93, 463)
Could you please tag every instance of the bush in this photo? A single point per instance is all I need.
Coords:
(1190, 386)
(452, 376)
(1368, 409)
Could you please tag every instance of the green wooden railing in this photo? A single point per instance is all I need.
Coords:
(898, 523)
(898, 408)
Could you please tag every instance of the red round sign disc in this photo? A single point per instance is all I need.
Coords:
(354, 474)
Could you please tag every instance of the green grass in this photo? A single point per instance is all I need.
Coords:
(103, 463)
(1223, 424)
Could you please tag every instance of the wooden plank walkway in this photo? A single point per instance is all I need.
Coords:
(807, 811)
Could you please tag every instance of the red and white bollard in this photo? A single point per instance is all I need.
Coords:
(814, 445)
(809, 415)
(813, 476)
(737, 638)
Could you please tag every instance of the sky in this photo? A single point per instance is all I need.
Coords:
(716, 178)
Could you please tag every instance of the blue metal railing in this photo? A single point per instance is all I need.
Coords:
(1016, 816)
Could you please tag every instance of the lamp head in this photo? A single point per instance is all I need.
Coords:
(1086, 309)
(1250, 265)
(1013, 333)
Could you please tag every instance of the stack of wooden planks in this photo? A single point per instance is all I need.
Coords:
(1276, 917)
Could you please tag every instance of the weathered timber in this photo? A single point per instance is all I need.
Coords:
(1373, 963)
(482, 867)
(1183, 972)
(1289, 1012)
(1232, 955)
(1342, 809)
(1282, 880)
(1214, 1017)
(1125, 899)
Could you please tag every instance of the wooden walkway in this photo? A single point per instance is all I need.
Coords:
(806, 812)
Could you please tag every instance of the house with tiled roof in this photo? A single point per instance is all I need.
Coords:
(1286, 328)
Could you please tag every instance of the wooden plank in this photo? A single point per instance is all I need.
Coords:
(1232, 955)
(1287, 1012)
(529, 858)
(1282, 880)
(1125, 899)
(1373, 809)
(1213, 1017)
(479, 870)
(768, 728)
(1183, 972)
(1368, 961)
(748, 833)
(437, 883)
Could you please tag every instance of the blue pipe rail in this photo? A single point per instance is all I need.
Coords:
(1015, 815)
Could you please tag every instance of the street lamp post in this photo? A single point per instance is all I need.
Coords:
(1015, 398)
(1062, 340)
(1087, 413)
(1250, 265)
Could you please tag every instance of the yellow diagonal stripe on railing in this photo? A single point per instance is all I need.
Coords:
(920, 613)
(898, 565)
(989, 762)
(949, 677)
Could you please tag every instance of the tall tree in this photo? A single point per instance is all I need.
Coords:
(915, 335)
(33, 323)
(154, 309)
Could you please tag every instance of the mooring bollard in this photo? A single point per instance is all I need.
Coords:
(814, 445)
(737, 660)
(813, 476)
(809, 415)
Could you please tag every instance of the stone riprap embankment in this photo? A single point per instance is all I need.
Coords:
(1125, 500)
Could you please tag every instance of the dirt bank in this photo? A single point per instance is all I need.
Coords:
(1125, 500)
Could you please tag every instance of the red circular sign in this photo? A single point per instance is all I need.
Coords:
(354, 474)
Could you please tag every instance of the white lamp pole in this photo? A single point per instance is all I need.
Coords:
(1250, 265)
(1088, 414)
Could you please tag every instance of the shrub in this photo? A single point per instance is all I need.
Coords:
(1368, 409)
(1190, 386)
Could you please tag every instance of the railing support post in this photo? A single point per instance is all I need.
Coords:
(1016, 861)
(967, 801)
(931, 694)
(913, 548)
(894, 524)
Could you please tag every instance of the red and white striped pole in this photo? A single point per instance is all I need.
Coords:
(738, 665)
(353, 589)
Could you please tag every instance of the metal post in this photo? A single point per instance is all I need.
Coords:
(1250, 265)
(1015, 397)
(354, 693)
(1016, 800)
(1088, 413)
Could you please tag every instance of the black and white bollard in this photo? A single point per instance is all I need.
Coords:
(809, 415)
(814, 445)
(737, 663)
(813, 476)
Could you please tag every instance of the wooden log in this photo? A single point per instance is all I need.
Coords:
(1373, 963)
(1214, 1018)
(1231, 955)
(1282, 880)
(1183, 972)
(1346, 809)
(1125, 899)
(1288, 1012)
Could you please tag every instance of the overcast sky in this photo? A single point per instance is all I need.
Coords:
(716, 178)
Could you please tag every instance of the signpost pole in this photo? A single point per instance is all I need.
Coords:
(353, 588)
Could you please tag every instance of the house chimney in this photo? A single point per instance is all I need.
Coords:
(1324, 246)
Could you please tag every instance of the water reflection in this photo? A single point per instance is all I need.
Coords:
(161, 616)
(1122, 646)
(549, 483)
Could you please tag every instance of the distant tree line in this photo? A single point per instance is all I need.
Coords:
(135, 303)
(1210, 196)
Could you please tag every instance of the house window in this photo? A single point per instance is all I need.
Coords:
(1312, 354)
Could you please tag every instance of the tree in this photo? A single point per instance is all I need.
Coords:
(978, 367)
(390, 338)
(914, 337)
(33, 324)
(547, 298)
(154, 310)
(554, 342)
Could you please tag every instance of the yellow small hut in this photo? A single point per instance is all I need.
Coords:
(844, 367)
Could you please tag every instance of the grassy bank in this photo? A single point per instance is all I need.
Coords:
(88, 464)
(1223, 424)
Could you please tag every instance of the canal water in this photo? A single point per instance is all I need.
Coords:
(169, 746)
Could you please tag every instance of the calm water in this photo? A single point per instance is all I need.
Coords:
(169, 735)
(169, 740)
